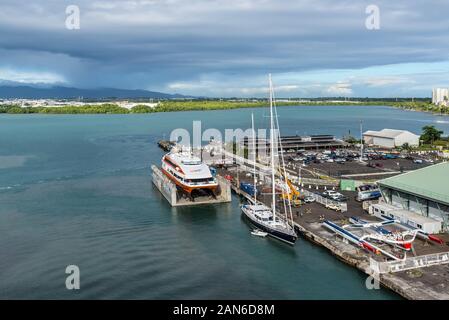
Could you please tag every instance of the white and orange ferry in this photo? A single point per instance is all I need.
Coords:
(188, 172)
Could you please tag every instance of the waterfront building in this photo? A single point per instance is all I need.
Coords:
(390, 138)
(298, 143)
(424, 191)
(440, 96)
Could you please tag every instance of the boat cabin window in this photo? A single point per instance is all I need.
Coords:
(200, 181)
(170, 163)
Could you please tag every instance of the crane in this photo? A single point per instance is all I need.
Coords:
(293, 196)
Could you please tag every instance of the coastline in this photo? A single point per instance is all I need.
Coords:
(209, 105)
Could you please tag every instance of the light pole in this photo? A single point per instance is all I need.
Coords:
(361, 141)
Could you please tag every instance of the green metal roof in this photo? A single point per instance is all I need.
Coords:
(430, 182)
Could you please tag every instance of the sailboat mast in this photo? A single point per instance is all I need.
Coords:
(273, 189)
(361, 141)
(254, 159)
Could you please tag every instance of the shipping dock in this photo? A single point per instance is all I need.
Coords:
(413, 264)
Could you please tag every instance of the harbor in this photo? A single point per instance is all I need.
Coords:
(348, 228)
(225, 159)
(106, 207)
(422, 280)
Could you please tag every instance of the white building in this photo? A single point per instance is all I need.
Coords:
(390, 138)
(407, 217)
(440, 96)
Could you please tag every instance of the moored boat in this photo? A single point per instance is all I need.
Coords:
(189, 173)
(263, 217)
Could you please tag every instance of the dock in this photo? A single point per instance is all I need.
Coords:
(422, 274)
(176, 198)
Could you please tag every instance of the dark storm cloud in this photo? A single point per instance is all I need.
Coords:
(158, 44)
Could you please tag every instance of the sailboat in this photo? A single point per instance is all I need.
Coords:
(263, 217)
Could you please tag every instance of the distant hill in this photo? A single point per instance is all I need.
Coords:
(59, 92)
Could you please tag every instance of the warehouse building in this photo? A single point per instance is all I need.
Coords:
(390, 138)
(424, 191)
(298, 143)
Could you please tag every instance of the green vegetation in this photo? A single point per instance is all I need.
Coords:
(141, 108)
(425, 106)
(218, 104)
(431, 139)
(350, 139)
(430, 134)
(86, 109)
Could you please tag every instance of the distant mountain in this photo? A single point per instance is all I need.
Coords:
(59, 92)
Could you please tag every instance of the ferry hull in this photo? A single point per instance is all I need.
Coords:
(287, 238)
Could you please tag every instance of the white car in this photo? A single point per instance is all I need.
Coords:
(309, 199)
(331, 193)
(333, 207)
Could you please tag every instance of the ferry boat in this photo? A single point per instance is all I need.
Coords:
(263, 217)
(189, 173)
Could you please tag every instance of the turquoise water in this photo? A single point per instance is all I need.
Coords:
(76, 189)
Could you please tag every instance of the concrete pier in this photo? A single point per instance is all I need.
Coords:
(423, 282)
(176, 198)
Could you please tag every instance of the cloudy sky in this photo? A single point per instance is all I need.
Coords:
(227, 47)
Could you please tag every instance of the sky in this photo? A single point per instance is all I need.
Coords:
(226, 48)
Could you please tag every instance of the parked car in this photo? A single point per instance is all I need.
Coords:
(333, 207)
(329, 193)
(337, 196)
(309, 199)
(341, 198)
(419, 161)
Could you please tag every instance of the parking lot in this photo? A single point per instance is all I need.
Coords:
(346, 163)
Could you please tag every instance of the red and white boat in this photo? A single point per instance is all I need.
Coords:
(189, 173)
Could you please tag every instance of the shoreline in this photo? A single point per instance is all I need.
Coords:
(207, 105)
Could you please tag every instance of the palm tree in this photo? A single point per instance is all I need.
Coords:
(430, 134)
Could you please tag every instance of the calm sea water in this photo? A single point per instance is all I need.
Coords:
(76, 189)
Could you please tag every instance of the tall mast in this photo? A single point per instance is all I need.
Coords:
(273, 189)
(254, 150)
(361, 141)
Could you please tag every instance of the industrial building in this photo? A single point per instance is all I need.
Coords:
(440, 96)
(424, 191)
(390, 138)
(299, 143)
